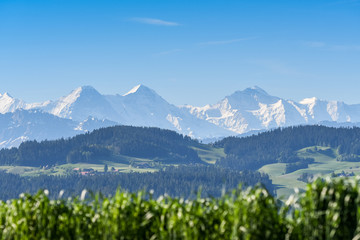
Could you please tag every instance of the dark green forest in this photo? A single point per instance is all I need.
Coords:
(182, 181)
(161, 145)
(280, 146)
(167, 148)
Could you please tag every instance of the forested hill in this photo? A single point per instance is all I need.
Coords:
(107, 143)
(280, 145)
(182, 181)
(120, 143)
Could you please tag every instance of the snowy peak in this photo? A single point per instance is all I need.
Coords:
(87, 88)
(308, 101)
(143, 96)
(9, 104)
(87, 91)
(322, 110)
(140, 90)
(254, 109)
(81, 103)
(251, 109)
(255, 90)
(7, 95)
(254, 93)
(84, 92)
(133, 90)
(250, 98)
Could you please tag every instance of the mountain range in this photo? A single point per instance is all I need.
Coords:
(85, 109)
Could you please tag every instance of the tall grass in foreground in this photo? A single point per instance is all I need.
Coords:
(327, 210)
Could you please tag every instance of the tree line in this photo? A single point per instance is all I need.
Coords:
(183, 181)
(279, 145)
(141, 142)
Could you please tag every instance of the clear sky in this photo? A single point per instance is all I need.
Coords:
(190, 52)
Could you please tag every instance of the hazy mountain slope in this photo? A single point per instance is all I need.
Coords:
(23, 125)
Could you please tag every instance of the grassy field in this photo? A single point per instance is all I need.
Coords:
(21, 170)
(121, 163)
(210, 154)
(323, 166)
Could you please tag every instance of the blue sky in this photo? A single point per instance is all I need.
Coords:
(190, 52)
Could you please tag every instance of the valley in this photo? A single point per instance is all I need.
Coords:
(288, 157)
(121, 164)
(186, 120)
(323, 167)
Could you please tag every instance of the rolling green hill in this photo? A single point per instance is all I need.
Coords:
(323, 166)
(120, 144)
(290, 155)
(281, 146)
(122, 148)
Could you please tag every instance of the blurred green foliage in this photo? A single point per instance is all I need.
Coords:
(328, 209)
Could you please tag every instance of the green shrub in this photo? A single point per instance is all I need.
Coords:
(326, 210)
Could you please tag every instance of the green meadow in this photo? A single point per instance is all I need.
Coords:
(323, 167)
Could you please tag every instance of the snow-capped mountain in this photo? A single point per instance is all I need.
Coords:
(10, 104)
(254, 109)
(142, 106)
(247, 110)
(320, 110)
(85, 109)
(22, 125)
(80, 104)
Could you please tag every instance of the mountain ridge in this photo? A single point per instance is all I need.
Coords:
(244, 111)
(255, 109)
